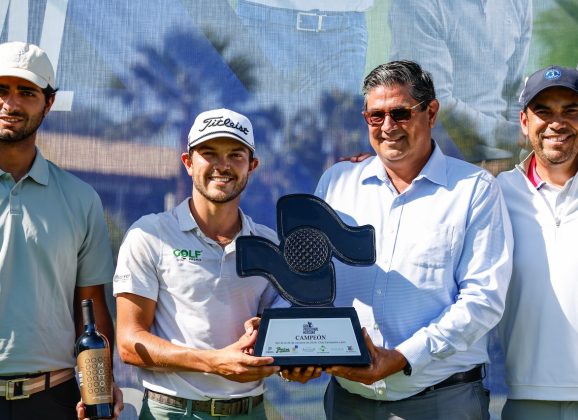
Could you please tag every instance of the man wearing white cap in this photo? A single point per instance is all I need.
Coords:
(539, 329)
(54, 250)
(180, 304)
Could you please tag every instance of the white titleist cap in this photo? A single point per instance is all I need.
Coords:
(27, 61)
(221, 123)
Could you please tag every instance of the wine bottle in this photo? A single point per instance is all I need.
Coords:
(94, 368)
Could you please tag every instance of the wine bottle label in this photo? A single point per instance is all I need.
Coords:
(95, 376)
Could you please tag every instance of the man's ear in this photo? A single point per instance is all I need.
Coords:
(432, 110)
(186, 159)
(253, 164)
(524, 122)
(49, 104)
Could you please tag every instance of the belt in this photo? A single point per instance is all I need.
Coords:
(216, 407)
(17, 388)
(473, 375)
(309, 21)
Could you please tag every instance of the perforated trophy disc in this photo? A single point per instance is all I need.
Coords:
(311, 331)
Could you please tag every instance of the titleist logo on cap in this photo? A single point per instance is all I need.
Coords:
(220, 122)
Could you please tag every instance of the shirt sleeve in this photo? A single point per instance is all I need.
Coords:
(138, 259)
(322, 186)
(419, 32)
(482, 274)
(95, 265)
(517, 62)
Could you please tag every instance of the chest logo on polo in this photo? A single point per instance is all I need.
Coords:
(187, 254)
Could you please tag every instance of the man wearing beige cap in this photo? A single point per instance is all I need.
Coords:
(181, 306)
(54, 250)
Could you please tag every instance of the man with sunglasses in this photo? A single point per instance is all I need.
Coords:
(444, 247)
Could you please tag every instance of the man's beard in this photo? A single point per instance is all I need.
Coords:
(557, 156)
(239, 188)
(31, 125)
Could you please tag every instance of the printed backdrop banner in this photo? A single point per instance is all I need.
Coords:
(134, 74)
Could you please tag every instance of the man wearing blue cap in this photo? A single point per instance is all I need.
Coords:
(539, 330)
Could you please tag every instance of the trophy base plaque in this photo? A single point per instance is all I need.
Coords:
(312, 336)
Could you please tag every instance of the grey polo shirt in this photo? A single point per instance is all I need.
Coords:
(53, 238)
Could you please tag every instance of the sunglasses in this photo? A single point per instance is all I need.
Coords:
(376, 118)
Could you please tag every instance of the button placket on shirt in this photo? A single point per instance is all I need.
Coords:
(388, 245)
(225, 252)
(15, 199)
(563, 202)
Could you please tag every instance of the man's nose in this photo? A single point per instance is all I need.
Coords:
(221, 163)
(557, 121)
(9, 102)
(388, 123)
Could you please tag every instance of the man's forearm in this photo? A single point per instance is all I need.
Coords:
(148, 351)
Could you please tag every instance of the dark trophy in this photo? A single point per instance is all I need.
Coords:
(312, 331)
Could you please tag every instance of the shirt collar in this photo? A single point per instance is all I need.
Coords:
(187, 222)
(532, 173)
(435, 168)
(39, 171)
(528, 168)
(185, 218)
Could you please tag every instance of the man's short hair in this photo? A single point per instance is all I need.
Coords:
(402, 72)
(49, 92)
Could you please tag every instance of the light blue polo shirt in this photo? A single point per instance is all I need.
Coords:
(53, 238)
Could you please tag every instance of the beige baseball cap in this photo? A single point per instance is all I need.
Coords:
(27, 61)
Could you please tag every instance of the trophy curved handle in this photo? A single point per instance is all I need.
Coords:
(257, 256)
(352, 245)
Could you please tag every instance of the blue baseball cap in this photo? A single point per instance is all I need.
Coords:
(549, 77)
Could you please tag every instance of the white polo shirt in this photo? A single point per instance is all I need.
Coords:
(539, 330)
(201, 301)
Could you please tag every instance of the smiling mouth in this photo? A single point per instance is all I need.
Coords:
(556, 139)
(10, 120)
(220, 179)
(390, 140)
